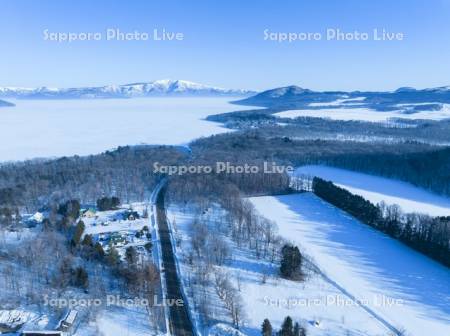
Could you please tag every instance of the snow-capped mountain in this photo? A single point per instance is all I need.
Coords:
(165, 87)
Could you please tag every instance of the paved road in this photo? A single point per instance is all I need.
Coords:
(180, 322)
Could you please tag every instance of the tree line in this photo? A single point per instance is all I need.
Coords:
(426, 169)
(428, 235)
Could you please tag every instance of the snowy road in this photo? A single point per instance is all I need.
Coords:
(180, 321)
(163, 321)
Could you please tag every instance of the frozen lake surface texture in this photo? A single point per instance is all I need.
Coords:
(51, 128)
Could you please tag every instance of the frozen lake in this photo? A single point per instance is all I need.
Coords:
(52, 128)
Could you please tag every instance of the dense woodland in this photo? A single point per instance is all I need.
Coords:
(429, 169)
(400, 130)
(126, 173)
(254, 146)
(401, 149)
(429, 235)
(421, 164)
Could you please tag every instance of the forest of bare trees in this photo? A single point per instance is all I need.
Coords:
(240, 224)
(421, 164)
(125, 173)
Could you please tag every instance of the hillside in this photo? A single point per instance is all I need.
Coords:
(408, 100)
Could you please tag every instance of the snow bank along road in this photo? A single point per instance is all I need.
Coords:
(180, 323)
(403, 287)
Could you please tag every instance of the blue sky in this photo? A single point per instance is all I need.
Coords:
(224, 43)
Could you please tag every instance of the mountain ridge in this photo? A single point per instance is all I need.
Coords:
(293, 96)
(164, 87)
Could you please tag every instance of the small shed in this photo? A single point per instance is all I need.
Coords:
(68, 321)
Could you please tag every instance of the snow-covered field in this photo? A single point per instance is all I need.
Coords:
(340, 102)
(47, 128)
(122, 321)
(364, 114)
(118, 320)
(266, 295)
(402, 286)
(111, 221)
(376, 189)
